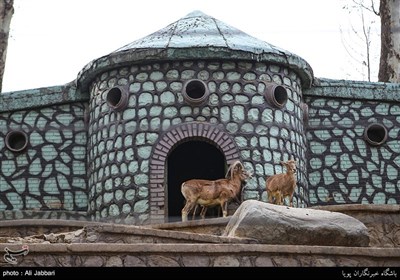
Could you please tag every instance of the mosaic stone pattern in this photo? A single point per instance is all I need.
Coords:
(120, 143)
(51, 172)
(342, 166)
(41, 215)
(88, 156)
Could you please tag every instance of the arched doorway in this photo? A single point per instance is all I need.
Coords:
(171, 139)
(192, 160)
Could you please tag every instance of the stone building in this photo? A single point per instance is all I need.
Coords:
(184, 102)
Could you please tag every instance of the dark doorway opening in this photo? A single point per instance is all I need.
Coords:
(192, 160)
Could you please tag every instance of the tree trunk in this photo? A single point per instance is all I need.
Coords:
(6, 12)
(389, 66)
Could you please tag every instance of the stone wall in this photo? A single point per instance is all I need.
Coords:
(110, 245)
(43, 215)
(342, 166)
(50, 173)
(127, 145)
(122, 166)
(382, 221)
(202, 255)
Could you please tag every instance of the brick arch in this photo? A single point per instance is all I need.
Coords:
(166, 143)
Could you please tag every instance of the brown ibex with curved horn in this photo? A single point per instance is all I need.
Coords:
(280, 186)
(218, 192)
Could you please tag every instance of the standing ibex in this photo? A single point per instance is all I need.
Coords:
(204, 208)
(203, 211)
(282, 185)
(209, 193)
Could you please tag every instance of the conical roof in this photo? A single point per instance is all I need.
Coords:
(197, 36)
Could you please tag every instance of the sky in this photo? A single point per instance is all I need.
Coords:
(52, 40)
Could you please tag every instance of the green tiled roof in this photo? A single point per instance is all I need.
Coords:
(196, 36)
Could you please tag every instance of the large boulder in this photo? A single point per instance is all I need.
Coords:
(275, 224)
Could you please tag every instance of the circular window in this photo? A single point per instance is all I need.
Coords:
(195, 92)
(117, 98)
(16, 141)
(375, 134)
(276, 95)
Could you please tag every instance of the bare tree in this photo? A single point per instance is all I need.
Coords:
(6, 12)
(389, 61)
(360, 37)
(389, 66)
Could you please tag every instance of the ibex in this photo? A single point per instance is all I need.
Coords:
(280, 186)
(204, 208)
(203, 211)
(218, 192)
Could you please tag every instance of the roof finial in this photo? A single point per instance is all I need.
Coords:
(196, 13)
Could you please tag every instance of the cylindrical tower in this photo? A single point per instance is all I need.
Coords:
(197, 80)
